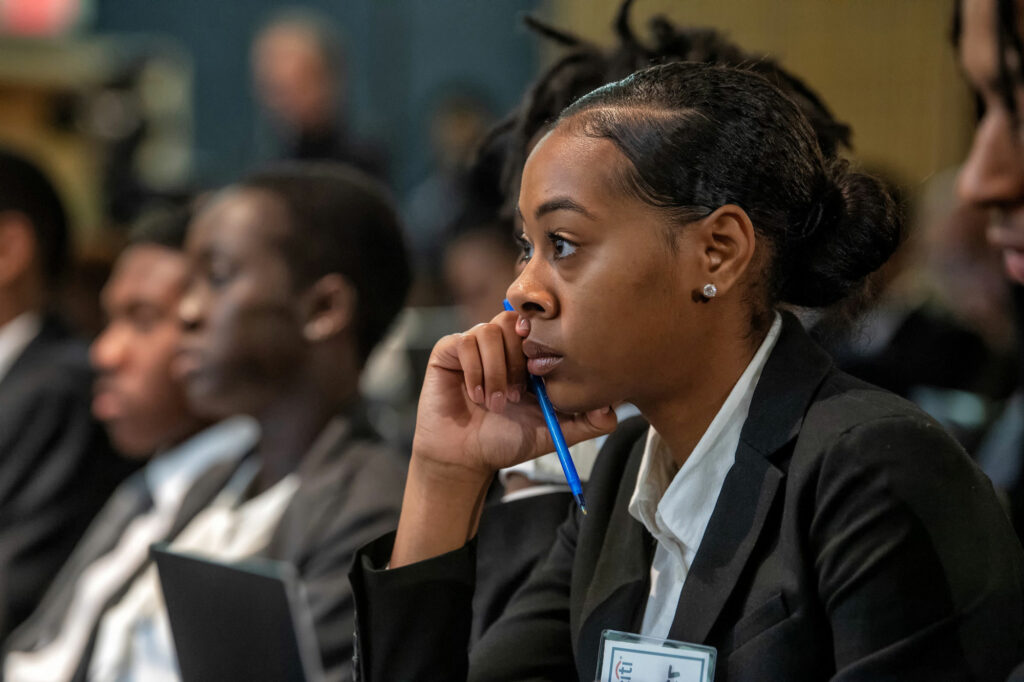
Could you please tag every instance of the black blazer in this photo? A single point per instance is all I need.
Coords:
(56, 467)
(852, 540)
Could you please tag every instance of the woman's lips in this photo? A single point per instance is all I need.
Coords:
(542, 364)
(540, 359)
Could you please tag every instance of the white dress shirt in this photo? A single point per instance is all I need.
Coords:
(134, 640)
(15, 337)
(676, 505)
(168, 477)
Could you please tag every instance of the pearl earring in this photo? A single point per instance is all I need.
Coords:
(710, 290)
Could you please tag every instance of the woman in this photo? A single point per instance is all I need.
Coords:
(806, 525)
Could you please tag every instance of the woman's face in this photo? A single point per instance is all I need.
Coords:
(993, 175)
(609, 300)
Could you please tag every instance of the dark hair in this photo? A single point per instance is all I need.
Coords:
(24, 188)
(164, 226)
(342, 221)
(587, 66)
(699, 136)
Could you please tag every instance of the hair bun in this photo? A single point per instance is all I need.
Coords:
(849, 231)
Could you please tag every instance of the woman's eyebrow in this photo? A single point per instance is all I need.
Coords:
(558, 204)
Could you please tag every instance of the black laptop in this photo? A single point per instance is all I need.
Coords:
(245, 621)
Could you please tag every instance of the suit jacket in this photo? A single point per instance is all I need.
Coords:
(350, 492)
(513, 538)
(852, 540)
(56, 467)
(129, 501)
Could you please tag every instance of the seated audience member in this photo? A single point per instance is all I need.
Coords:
(300, 77)
(517, 533)
(56, 466)
(939, 332)
(296, 274)
(805, 524)
(146, 415)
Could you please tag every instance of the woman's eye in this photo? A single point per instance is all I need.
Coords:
(563, 248)
(525, 249)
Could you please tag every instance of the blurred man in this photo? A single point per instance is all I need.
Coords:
(299, 74)
(297, 273)
(56, 467)
(146, 415)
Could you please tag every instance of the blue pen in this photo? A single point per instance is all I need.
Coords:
(568, 468)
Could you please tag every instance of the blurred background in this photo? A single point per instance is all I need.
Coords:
(136, 105)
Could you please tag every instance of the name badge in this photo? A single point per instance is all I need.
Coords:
(626, 657)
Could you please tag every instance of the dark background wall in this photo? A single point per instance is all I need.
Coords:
(401, 53)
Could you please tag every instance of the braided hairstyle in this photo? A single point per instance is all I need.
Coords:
(587, 66)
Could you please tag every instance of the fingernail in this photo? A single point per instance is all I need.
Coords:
(606, 409)
(497, 401)
(513, 395)
(478, 395)
(523, 324)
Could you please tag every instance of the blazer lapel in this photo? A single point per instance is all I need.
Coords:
(788, 383)
(735, 525)
(617, 592)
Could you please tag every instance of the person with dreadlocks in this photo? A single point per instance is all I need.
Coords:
(586, 66)
(806, 525)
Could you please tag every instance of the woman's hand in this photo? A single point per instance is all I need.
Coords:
(475, 415)
(474, 418)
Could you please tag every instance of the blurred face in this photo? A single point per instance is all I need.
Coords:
(478, 273)
(608, 300)
(242, 344)
(993, 175)
(292, 80)
(136, 397)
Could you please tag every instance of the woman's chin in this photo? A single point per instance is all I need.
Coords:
(574, 400)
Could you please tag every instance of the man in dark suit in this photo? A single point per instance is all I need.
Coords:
(146, 415)
(56, 466)
(296, 274)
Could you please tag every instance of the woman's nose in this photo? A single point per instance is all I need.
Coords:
(993, 174)
(530, 295)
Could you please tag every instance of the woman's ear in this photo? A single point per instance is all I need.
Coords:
(727, 243)
(330, 307)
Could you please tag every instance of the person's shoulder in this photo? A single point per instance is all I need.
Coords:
(362, 468)
(846, 407)
(55, 362)
(854, 430)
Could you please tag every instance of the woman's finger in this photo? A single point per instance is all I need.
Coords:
(472, 367)
(514, 358)
(491, 344)
(586, 425)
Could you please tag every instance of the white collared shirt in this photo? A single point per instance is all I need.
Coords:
(15, 337)
(134, 641)
(168, 476)
(675, 506)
